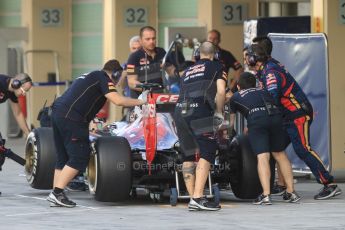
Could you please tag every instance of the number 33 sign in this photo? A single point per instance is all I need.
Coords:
(51, 17)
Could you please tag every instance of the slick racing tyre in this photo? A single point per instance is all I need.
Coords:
(245, 182)
(110, 169)
(40, 158)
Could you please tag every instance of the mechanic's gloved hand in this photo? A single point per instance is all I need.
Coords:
(218, 119)
(144, 96)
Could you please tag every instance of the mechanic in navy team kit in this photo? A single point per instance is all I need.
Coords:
(71, 115)
(297, 113)
(146, 61)
(265, 133)
(11, 88)
(202, 96)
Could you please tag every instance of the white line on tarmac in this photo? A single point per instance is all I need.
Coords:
(48, 212)
(40, 198)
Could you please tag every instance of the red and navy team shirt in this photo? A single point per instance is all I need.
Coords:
(140, 63)
(284, 88)
(85, 97)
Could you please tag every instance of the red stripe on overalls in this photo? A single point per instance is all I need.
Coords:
(286, 100)
(303, 132)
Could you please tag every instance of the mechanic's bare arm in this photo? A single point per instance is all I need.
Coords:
(236, 77)
(228, 96)
(232, 120)
(220, 96)
(118, 99)
(18, 114)
(237, 74)
(122, 80)
(170, 70)
(133, 82)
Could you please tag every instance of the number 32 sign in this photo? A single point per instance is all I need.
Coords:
(234, 13)
(135, 16)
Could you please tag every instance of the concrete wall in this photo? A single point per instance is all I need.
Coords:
(326, 13)
(53, 38)
(210, 15)
(117, 33)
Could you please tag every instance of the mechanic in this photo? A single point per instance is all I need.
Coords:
(265, 133)
(226, 58)
(297, 113)
(71, 115)
(146, 62)
(11, 88)
(134, 45)
(266, 43)
(202, 85)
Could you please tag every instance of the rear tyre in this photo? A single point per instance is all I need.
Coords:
(40, 157)
(110, 169)
(245, 182)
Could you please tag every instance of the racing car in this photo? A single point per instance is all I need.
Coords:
(145, 154)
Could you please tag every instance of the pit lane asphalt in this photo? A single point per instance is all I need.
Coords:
(22, 207)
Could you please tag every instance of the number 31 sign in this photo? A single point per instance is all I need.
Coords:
(234, 13)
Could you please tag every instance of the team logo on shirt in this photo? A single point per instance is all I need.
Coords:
(144, 61)
(271, 79)
(111, 86)
(130, 68)
(195, 69)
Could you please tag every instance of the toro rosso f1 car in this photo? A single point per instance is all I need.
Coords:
(145, 154)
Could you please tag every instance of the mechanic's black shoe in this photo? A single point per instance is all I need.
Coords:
(328, 191)
(262, 199)
(291, 197)
(278, 190)
(77, 187)
(202, 204)
(60, 199)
